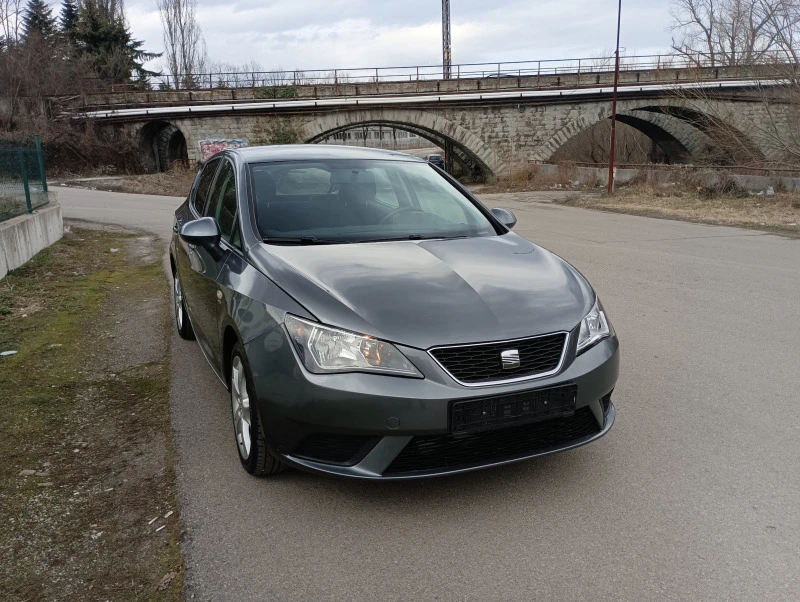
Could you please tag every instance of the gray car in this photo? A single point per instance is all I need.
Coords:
(372, 319)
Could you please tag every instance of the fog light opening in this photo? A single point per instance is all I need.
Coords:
(606, 402)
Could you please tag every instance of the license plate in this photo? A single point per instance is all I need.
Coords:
(490, 413)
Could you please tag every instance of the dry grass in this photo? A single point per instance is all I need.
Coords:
(777, 213)
(533, 177)
(176, 182)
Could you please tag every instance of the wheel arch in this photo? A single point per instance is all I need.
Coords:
(230, 336)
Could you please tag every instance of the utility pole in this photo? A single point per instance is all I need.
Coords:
(447, 58)
(447, 62)
(614, 109)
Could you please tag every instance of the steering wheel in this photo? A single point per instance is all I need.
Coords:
(398, 211)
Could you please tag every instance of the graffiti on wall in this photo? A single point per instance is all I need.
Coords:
(214, 145)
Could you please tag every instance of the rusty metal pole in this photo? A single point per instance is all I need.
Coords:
(447, 57)
(614, 109)
(447, 69)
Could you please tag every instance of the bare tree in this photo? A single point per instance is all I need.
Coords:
(10, 20)
(184, 46)
(735, 32)
(592, 146)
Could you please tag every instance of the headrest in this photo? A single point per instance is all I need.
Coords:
(264, 186)
(352, 176)
(360, 192)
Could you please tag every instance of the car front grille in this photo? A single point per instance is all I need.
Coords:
(448, 452)
(483, 364)
(332, 448)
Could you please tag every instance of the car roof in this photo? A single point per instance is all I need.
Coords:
(316, 152)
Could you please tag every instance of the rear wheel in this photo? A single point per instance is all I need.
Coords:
(247, 427)
(181, 317)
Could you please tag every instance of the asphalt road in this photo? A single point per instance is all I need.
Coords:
(694, 495)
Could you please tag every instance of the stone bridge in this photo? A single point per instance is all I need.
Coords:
(491, 133)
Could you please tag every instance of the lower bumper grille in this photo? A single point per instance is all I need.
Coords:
(332, 448)
(446, 452)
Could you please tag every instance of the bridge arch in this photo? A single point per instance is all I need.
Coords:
(164, 144)
(684, 134)
(468, 148)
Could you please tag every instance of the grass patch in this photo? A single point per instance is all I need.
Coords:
(86, 444)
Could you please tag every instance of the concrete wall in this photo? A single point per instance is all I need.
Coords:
(24, 236)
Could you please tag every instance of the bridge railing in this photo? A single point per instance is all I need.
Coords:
(278, 85)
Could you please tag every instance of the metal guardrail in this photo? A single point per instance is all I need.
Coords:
(23, 181)
(279, 84)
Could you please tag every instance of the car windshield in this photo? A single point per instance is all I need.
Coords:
(346, 200)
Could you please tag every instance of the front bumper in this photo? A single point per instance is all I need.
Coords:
(387, 422)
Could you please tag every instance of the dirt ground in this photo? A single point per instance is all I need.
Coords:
(778, 213)
(88, 509)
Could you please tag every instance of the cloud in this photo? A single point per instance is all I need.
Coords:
(342, 34)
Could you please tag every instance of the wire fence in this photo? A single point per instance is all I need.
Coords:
(23, 181)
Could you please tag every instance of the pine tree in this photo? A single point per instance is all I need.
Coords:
(38, 19)
(105, 42)
(69, 16)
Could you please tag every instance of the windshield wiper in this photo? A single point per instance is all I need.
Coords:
(305, 240)
(413, 237)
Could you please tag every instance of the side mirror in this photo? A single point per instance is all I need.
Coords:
(203, 232)
(505, 217)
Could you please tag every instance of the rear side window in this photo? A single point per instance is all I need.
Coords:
(204, 186)
(222, 206)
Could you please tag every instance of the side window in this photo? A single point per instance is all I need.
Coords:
(236, 239)
(435, 198)
(204, 185)
(222, 205)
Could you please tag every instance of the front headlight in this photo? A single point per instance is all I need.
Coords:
(324, 349)
(594, 327)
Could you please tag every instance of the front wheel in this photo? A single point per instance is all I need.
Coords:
(181, 317)
(247, 428)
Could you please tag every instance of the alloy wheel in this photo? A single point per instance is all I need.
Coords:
(178, 302)
(240, 404)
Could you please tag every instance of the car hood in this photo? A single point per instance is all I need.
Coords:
(433, 292)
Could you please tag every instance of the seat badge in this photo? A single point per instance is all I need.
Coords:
(510, 359)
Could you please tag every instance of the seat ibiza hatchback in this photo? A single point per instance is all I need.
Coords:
(372, 319)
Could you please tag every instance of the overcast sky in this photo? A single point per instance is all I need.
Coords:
(322, 34)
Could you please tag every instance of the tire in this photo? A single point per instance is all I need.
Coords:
(248, 431)
(182, 322)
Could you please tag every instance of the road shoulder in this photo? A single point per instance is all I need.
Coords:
(89, 509)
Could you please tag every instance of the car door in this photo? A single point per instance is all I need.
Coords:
(208, 263)
(188, 261)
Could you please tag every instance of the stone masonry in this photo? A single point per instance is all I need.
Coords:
(499, 137)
